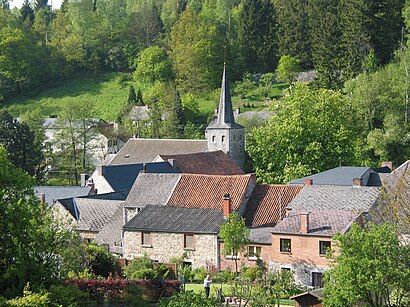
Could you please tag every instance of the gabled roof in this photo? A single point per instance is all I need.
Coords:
(261, 235)
(343, 175)
(321, 222)
(150, 188)
(117, 195)
(122, 177)
(94, 214)
(324, 197)
(207, 191)
(179, 220)
(52, 193)
(209, 163)
(146, 150)
(224, 118)
(267, 203)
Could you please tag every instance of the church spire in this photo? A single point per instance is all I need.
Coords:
(225, 112)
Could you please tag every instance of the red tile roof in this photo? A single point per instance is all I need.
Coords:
(207, 191)
(264, 206)
(210, 163)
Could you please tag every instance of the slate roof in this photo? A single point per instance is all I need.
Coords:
(117, 195)
(224, 118)
(146, 150)
(321, 222)
(207, 191)
(343, 175)
(179, 220)
(335, 198)
(150, 188)
(94, 214)
(122, 177)
(261, 235)
(209, 163)
(52, 193)
(267, 203)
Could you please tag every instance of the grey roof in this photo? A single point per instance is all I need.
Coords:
(343, 175)
(122, 177)
(261, 235)
(150, 188)
(146, 150)
(53, 193)
(224, 118)
(94, 214)
(335, 198)
(321, 222)
(117, 195)
(179, 220)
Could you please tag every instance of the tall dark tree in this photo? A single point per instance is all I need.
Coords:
(19, 141)
(257, 35)
(139, 100)
(293, 36)
(40, 4)
(132, 97)
(27, 13)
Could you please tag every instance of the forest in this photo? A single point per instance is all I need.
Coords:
(354, 112)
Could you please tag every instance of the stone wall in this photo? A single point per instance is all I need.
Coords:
(167, 245)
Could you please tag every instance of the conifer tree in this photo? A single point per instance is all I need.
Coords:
(139, 100)
(132, 97)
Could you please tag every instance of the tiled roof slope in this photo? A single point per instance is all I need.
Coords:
(173, 219)
(207, 191)
(335, 198)
(209, 163)
(94, 214)
(52, 193)
(150, 188)
(267, 202)
(117, 195)
(146, 150)
(321, 222)
(343, 175)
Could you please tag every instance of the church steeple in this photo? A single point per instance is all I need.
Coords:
(223, 133)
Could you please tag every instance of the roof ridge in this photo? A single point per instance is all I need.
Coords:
(219, 176)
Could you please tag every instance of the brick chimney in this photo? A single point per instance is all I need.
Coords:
(357, 182)
(308, 181)
(173, 163)
(387, 164)
(227, 205)
(42, 197)
(304, 223)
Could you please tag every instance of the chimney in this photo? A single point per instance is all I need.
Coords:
(173, 163)
(238, 111)
(216, 110)
(387, 164)
(227, 205)
(84, 178)
(308, 181)
(144, 168)
(42, 197)
(99, 170)
(357, 182)
(304, 223)
(90, 183)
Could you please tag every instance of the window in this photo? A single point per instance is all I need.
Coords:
(213, 138)
(146, 239)
(285, 245)
(232, 256)
(254, 252)
(324, 247)
(189, 242)
(284, 269)
(223, 139)
(317, 280)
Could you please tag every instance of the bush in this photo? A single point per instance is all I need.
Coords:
(67, 295)
(30, 299)
(101, 262)
(198, 274)
(188, 299)
(143, 268)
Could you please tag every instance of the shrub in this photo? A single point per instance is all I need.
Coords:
(198, 274)
(187, 299)
(67, 295)
(100, 261)
(143, 268)
(30, 299)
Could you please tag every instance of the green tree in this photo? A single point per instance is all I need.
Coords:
(235, 235)
(257, 35)
(100, 261)
(139, 100)
(132, 97)
(22, 147)
(266, 84)
(288, 69)
(153, 65)
(310, 132)
(373, 268)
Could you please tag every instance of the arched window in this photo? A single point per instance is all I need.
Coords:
(213, 138)
(223, 139)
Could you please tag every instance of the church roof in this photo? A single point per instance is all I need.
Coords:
(224, 118)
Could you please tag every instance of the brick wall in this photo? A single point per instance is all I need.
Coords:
(227, 262)
(164, 246)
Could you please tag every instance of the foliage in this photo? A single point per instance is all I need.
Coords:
(22, 148)
(265, 84)
(132, 97)
(245, 86)
(235, 235)
(288, 69)
(153, 65)
(67, 295)
(121, 289)
(188, 299)
(30, 299)
(310, 132)
(199, 274)
(100, 261)
(143, 268)
(373, 267)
